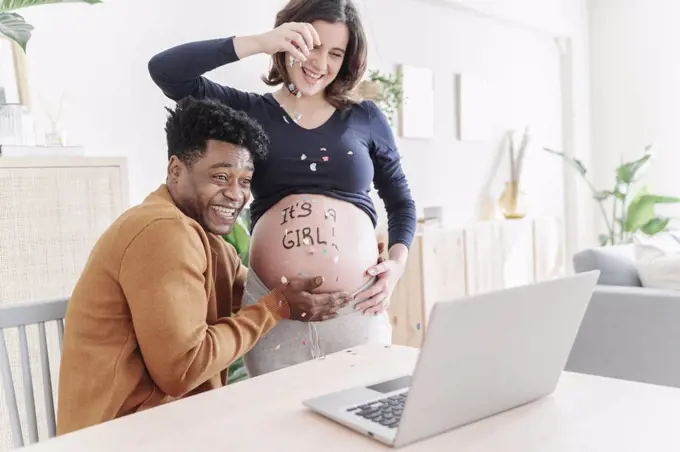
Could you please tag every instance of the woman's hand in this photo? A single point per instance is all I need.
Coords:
(296, 38)
(376, 299)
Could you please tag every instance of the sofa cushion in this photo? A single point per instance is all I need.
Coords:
(616, 264)
(658, 260)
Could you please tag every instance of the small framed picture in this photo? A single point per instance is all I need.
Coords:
(13, 87)
(417, 112)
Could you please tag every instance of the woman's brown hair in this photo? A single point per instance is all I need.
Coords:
(342, 91)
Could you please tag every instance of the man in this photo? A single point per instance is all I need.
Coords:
(155, 315)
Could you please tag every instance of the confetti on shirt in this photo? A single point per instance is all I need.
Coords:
(323, 149)
(324, 158)
(303, 157)
(312, 167)
(350, 153)
(336, 259)
(286, 119)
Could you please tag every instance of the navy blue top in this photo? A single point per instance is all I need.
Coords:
(339, 159)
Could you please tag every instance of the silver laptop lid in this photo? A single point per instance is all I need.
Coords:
(491, 352)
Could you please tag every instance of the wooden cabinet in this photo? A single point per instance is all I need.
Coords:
(445, 264)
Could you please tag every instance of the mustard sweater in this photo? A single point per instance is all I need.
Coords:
(150, 319)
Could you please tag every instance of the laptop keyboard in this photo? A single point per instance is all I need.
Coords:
(385, 411)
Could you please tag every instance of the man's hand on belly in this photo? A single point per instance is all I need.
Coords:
(306, 306)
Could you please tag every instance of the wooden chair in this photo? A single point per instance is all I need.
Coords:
(20, 315)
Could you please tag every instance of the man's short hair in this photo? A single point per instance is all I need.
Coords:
(193, 122)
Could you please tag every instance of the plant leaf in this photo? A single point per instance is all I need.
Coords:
(576, 163)
(655, 225)
(8, 5)
(641, 208)
(14, 27)
(626, 173)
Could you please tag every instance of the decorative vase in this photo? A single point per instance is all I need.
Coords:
(512, 202)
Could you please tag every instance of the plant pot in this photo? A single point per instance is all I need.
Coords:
(512, 202)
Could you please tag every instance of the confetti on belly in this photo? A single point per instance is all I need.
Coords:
(418, 326)
(312, 167)
(336, 259)
(323, 251)
(303, 157)
(350, 153)
(297, 117)
(324, 158)
(311, 251)
(306, 241)
(298, 94)
(323, 149)
(284, 280)
(301, 274)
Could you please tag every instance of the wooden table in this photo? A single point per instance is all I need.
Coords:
(265, 414)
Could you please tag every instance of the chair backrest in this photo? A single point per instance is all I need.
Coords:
(616, 264)
(19, 316)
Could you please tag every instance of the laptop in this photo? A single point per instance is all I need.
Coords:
(482, 355)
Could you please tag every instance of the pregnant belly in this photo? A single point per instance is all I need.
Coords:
(313, 235)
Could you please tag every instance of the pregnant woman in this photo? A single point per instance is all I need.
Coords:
(311, 211)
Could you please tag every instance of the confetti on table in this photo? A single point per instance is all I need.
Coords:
(418, 326)
(312, 167)
(277, 347)
(324, 158)
(350, 153)
(284, 280)
(336, 259)
(323, 149)
(304, 342)
(303, 157)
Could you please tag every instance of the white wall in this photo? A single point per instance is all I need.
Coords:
(636, 89)
(96, 57)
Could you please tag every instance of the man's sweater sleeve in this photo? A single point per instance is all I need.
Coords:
(162, 277)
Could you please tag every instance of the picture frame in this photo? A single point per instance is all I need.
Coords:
(418, 102)
(13, 79)
(474, 107)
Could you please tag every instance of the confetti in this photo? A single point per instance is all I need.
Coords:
(280, 303)
(284, 280)
(298, 95)
(336, 259)
(337, 278)
(311, 251)
(291, 87)
(418, 326)
(304, 198)
(286, 119)
(312, 167)
(324, 158)
(306, 241)
(323, 149)
(291, 61)
(301, 274)
(297, 117)
(304, 342)
(303, 315)
(323, 251)
(277, 347)
(350, 153)
(303, 157)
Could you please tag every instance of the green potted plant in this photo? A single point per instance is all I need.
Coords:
(13, 25)
(385, 90)
(631, 211)
(239, 238)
